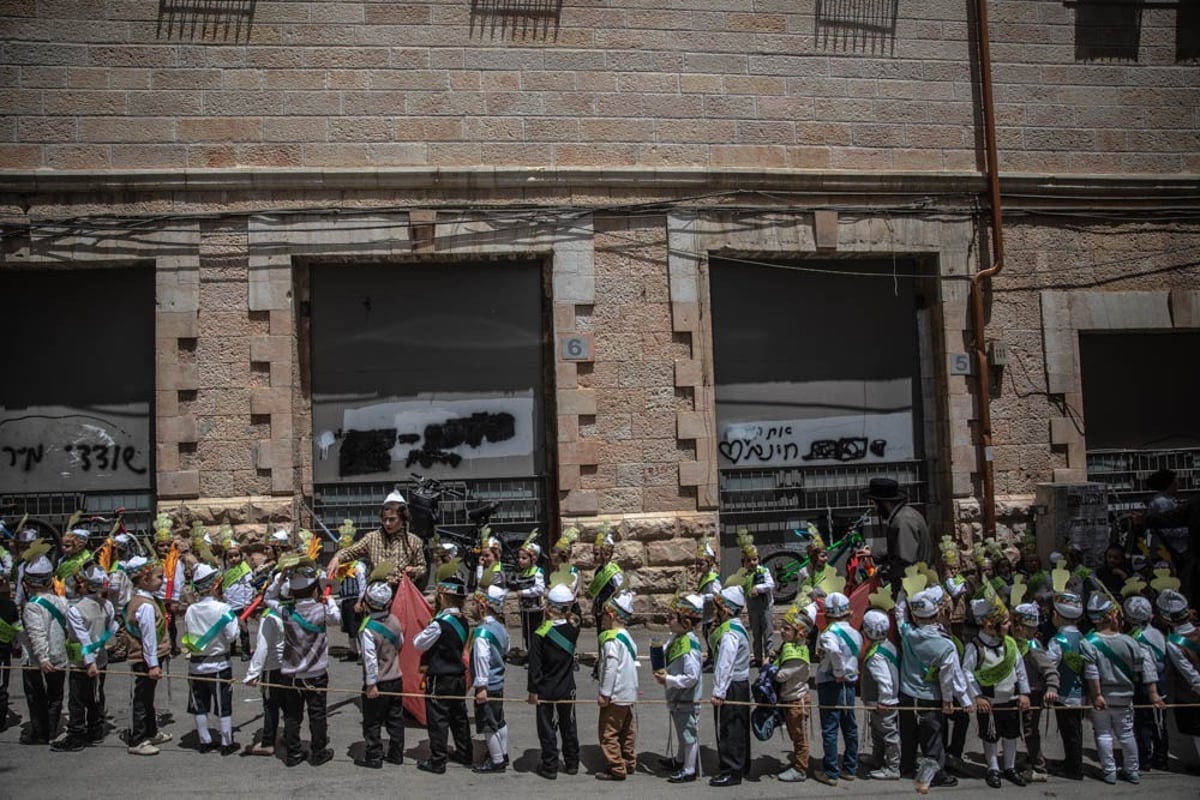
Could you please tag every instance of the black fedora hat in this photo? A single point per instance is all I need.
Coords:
(884, 489)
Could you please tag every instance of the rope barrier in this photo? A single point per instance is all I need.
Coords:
(577, 702)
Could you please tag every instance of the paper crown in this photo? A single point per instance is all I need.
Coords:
(745, 541)
(486, 540)
(831, 582)
(346, 532)
(604, 537)
(990, 607)
(815, 540)
(738, 578)
(204, 553)
(705, 548)
(949, 550)
(198, 533)
(1060, 576)
(881, 598)
(563, 576)
(1016, 594)
(914, 581)
(225, 535)
(448, 570)
(39, 548)
(797, 617)
(1163, 580)
(530, 544)
(491, 575)
(163, 523)
(567, 540)
(1134, 586)
(621, 603)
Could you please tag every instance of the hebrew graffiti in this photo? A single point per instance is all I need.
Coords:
(826, 440)
(73, 451)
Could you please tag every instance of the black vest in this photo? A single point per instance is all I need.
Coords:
(446, 655)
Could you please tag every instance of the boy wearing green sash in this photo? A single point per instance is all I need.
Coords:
(45, 646)
(618, 689)
(489, 646)
(441, 644)
(237, 587)
(1183, 672)
(881, 690)
(793, 669)
(731, 682)
(91, 622)
(607, 579)
(995, 672)
(681, 679)
(380, 640)
(209, 628)
(552, 678)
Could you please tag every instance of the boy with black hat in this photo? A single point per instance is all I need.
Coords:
(381, 638)
(618, 689)
(305, 664)
(731, 681)
(209, 628)
(681, 678)
(489, 645)
(552, 678)
(44, 641)
(442, 641)
(91, 622)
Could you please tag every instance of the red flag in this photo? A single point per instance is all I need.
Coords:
(860, 602)
(410, 607)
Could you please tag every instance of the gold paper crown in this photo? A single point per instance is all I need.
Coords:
(567, 540)
(1016, 595)
(563, 576)
(205, 553)
(914, 581)
(604, 535)
(448, 570)
(1163, 580)
(163, 523)
(795, 617)
(1134, 586)
(931, 576)
(831, 582)
(530, 540)
(881, 598)
(736, 579)
(346, 532)
(1059, 577)
(225, 534)
(40, 547)
(815, 540)
(486, 540)
(997, 608)
(746, 542)
(949, 550)
(979, 554)
(704, 549)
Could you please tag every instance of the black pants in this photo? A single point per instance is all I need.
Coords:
(272, 699)
(85, 713)
(552, 717)
(1070, 725)
(443, 717)
(925, 730)
(44, 695)
(733, 731)
(304, 693)
(531, 618)
(143, 724)
(1151, 738)
(5, 675)
(382, 711)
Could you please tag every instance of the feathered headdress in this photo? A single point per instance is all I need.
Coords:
(949, 550)
(567, 540)
(980, 556)
(486, 540)
(346, 532)
(448, 570)
(815, 540)
(604, 537)
(705, 548)
(530, 544)
(205, 553)
(199, 532)
(162, 527)
(382, 571)
(746, 542)
(225, 534)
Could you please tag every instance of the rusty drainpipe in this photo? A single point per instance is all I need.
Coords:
(978, 324)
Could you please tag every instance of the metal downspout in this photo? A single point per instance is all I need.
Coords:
(978, 323)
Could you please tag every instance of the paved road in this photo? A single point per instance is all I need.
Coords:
(107, 771)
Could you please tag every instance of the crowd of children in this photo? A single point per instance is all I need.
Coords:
(1006, 642)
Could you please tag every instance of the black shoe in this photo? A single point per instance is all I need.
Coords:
(549, 775)
(670, 764)
(946, 782)
(993, 778)
(489, 766)
(682, 777)
(230, 749)
(466, 759)
(1014, 777)
(369, 763)
(67, 744)
(395, 755)
(571, 769)
(292, 761)
(206, 747)
(95, 738)
(609, 776)
(726, 779)
(429, 766)
(321, 757)
(1060, 770)
(27, 738)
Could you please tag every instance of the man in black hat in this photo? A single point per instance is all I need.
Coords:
(908, 539)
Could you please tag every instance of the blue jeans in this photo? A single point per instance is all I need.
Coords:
(838, 694)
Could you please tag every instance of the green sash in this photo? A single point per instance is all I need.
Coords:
(707, 579)
(52, 610)
(1071, 659)
(1139, 636)
(1183, 641)
(483, 633)
(455, 623)
(603, 576)
(381, 629)
(1028, 644)
(990, 676)
(792, 651)
(196, 646)
(845, 637)
(620, 636)
(235, 574)
(88, 649)
(9, 632)
(714, 638)
(883, 651)
(289, 614)
(547, 630)
(1096, 642)
(71, 565)
(681, 646)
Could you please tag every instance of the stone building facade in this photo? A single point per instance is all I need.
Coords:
(235, 155)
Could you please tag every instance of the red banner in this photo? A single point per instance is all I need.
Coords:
(414, 613)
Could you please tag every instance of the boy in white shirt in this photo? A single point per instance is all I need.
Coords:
(618, 688)
(209, 628)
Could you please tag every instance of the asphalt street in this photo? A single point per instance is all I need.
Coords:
(106, 770)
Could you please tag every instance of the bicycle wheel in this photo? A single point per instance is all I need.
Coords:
(785, 567)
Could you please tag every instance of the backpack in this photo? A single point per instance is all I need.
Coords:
(766, 716)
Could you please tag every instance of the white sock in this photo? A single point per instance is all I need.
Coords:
(202, 729)
(503, 741)
(691, 758)
(495, 749)
(989, 752)
(226, 731)
(1010, 753)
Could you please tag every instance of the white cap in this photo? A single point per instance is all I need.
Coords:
(622, 604)
(80, 533)
(1068, 605)
(560, 596)
(1173, 605)
(1028, 614)
(494, 595)
(1138, 609)
(40, 569)
(1098, 605)
(123, 540)
(450, 548)
(533, 547)
(95, 576)
(837, 605)
(28, 535)
(875, 624)
(135, 565)
(281, 536)
(955, 587)
(204, 575)
(980, 608)
(378, 595)
(924, 605)
(301, 578)
(394, 496)
(1056, 557)
(734, 597)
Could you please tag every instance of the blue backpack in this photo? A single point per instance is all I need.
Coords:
(766, 716)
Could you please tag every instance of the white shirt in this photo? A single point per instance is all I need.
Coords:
(428, 637)
(618, 671)
(144, 619)
(199, 619)
(838, 660)
(481, 657)
(1007, 688)
(728, 667)
(370, 659)
(886, 676)
(268, 652)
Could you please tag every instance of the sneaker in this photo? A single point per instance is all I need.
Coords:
(1127, 776)
(791, 775)
(1110, 778)
(162, 737)
(1037, 776)
(143, 749)
(260, 750)
(67, 744)
(820, 777)
(884, 774)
